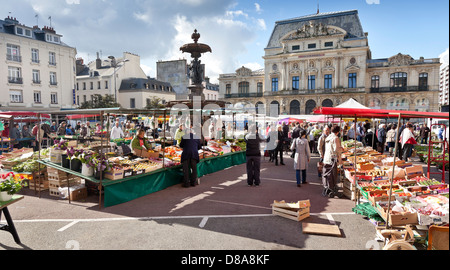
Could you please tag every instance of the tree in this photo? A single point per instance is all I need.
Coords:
(154, 103)
(99, 101)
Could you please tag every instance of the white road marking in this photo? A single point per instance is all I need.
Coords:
(161, 217)
(331, 219)
(203, 222)
(68, 225)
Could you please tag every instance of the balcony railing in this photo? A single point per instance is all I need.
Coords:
(316, 91)
(298, 92)
(53, 83)
(17, 80)
(399, 89)
(243, 95)
(15, 58)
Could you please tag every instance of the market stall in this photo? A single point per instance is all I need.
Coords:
(120, 177)
(397, 191)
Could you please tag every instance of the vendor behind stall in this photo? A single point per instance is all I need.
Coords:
(140, 142)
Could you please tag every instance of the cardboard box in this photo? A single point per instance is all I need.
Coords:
(146, 154)
(365, 166)
(397, 219)
(114, 174)
(413, 171)
(384, 196)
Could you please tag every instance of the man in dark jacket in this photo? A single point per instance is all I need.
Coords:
(381, 137)
(190, 158)
(253, 153)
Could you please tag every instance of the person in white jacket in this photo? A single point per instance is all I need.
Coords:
(116, 132)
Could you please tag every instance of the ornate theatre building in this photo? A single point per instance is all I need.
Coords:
(323, 60)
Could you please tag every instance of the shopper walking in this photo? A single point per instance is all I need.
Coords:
(381, 138)
(331, 160)
(407, 140)
(116, 132)
(253, 155)
(279, 146)
(321, 148)
(424, 133)
(391, 136)
(190, 157)
(301, 158)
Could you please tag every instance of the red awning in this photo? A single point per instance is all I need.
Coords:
(26, 114)
(81, 116)
(377, 113)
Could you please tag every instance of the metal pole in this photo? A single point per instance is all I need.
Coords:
(101, 160)
(39, 158)
(392, 176)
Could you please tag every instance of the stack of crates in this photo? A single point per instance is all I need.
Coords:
(58, 179)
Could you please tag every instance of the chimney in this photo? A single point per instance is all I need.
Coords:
(98, 62)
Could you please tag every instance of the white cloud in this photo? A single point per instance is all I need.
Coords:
(262, 24)
(258, 8)
(253, 66)
(153, 29)
(444, 58)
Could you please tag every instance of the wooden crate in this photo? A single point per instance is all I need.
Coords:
(291, 213)
(292, 205)
(43, 186)
(349, 189)
(7, 165)
(351, 194)
(55, 184)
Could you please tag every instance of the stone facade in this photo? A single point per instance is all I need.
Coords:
(325, 59)
(97, 77)
(38, 69)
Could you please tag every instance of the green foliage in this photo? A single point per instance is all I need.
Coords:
(99, 101)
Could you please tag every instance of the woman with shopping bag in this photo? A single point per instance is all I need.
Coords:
(301, 158)
(407, 140)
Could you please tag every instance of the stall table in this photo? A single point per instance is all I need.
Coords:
(9, 227)
(133, 187)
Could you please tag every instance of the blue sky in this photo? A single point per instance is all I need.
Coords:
(236, 30)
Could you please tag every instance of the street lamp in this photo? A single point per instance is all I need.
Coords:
(114, 64)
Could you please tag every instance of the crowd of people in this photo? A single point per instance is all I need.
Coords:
(303, 139)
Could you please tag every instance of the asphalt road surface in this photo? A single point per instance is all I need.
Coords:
(222, 213)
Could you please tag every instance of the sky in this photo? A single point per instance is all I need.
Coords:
(236, 30)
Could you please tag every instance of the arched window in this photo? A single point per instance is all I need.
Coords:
(243, 88)
(294, 107)
(309, 106)
(374, 103)
(259, 107)
(327, 103)
(259, 87)
(228, 89)
(422, 104)
(398, 104)
(274, 108)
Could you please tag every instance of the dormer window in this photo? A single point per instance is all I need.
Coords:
(23, 32)
(52, 38)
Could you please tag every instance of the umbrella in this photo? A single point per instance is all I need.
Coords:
(290, 120)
